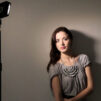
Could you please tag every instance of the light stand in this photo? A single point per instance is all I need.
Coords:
(4, 12)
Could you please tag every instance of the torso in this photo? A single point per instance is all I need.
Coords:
(72, 78)
(72, 75)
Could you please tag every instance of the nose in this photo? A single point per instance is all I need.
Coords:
(62, 43)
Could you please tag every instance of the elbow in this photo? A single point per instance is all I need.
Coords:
(91, 89)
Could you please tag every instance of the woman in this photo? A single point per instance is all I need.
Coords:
(70, 74)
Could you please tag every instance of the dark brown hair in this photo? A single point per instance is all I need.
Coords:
(54, 53)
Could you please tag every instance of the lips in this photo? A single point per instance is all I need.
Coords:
(62, 47)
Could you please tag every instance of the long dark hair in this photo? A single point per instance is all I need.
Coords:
(54, 53)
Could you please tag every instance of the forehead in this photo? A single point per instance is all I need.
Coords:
(61, 34)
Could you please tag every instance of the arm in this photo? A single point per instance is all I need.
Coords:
(57, 89)
(89, 88)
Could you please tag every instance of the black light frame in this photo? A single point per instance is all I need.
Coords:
(4, 12)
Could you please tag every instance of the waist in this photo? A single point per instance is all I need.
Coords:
(67, 96)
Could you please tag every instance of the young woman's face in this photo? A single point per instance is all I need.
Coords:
(62, 41)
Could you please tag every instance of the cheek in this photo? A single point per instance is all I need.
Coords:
(57, 45)
(67, 43)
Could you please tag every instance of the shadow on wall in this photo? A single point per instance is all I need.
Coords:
(85, 44)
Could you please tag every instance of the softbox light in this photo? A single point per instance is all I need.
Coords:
(4, 9)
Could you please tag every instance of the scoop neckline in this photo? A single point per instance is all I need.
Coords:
(70, 65)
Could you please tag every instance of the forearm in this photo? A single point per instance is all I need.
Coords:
(59, 98)
(82, 94)
(57, 89)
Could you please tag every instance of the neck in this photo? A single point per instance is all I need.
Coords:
(66, 55)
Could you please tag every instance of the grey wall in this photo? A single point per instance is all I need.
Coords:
(26, 44)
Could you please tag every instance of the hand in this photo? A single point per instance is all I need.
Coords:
(65, 99)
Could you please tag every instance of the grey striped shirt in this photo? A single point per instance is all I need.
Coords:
(72, 78)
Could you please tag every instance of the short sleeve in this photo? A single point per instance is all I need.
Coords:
(85, 60)
(53, 71)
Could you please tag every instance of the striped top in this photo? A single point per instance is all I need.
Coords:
(72, 78)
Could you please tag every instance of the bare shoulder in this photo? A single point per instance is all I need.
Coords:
(77, 56)
(59, 61)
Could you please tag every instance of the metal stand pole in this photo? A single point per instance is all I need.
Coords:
(0, 60)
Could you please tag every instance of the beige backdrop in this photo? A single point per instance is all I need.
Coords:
(26, 44)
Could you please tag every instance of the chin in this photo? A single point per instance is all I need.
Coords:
(64, 51)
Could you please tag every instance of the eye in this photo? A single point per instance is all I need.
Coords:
(66, 38)
(57, 40)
